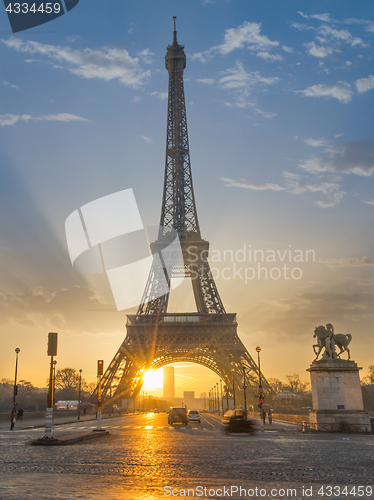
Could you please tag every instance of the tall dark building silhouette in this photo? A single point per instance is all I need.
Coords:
(156, 338)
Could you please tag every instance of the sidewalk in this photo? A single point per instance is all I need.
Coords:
(40, 422)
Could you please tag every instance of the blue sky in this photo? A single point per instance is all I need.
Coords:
(279, 106)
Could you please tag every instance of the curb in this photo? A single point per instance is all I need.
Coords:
(74, 438)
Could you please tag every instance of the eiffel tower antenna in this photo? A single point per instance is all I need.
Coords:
(155, 337)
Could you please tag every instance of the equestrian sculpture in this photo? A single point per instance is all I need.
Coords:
(329, 340)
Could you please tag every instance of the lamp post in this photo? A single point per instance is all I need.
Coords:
(15, 391)
(218, 406)
(244, 390)
(260, 392)
(79, 394)
(54, 380)
(227, 394)
(233, 385)
(221, 395)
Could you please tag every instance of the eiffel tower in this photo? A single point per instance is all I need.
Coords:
(155, 337)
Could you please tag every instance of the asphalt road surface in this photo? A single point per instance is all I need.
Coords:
(145, 458)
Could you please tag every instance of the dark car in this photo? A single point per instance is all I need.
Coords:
(235, 421)
(177, 416)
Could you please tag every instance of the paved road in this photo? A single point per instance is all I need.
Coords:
(145, 458)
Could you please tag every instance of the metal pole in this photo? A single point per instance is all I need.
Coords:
(258, 349)
(98, 427)
(79, 394)
(233, 386)
(54, 380)
(49, 411)
(15, 391)
(218, 407)
(245, 391)
(221, 396)
(143, 401)
(227, 394)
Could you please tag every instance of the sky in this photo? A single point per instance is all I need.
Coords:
(279, 100)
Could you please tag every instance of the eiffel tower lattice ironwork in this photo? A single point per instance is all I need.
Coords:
(155, 337)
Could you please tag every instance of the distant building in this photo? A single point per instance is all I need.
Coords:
(203, 395)
(168, 385)
(189, 398)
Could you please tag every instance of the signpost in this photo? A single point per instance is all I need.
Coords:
(100, 370)
(52, 351)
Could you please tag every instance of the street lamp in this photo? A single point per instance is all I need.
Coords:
(79, 394)
(54, 380)
(221, 395)
(227, 393)
(244, 390)
(233, 385)
(17, 351)
(260, 392)
(218, 407)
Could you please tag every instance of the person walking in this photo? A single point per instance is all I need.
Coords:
(270, 416)
(263, 416)
(12, 416)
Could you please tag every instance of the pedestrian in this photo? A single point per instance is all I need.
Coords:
(263, 416)
(84, 410)
(270, 416)
(12, 418)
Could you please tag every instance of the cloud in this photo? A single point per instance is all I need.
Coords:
(331, 190)
(207, 81)
(146, 139)
(265, 114)
(237, 77)
(317, 143)
(320, 17)
(294, 185)
(105, 64)
(159, 95)
(347, 262)
(351, 158)
(302, 26)
(10, 119)
(67, 309)
(341, 35)
(247, 35)
(365, 84)
(269, 57)
(340, 91)
(302, 313)
(7, 84)
(146, 56)
(369, 202)
(318, 51)
(242, 183)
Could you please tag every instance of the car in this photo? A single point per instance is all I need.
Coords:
(194, 415)
(156, 411)
(177, 415)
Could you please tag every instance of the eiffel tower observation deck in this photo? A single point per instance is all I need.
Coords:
(155, 337)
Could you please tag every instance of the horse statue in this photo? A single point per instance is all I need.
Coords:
(328, 339)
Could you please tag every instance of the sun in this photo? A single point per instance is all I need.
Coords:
(153, 380)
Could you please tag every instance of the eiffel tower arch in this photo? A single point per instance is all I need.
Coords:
(155, 337)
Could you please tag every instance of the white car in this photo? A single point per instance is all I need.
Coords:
(193, 415)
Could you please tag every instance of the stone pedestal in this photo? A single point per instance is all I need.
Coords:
(337, 397)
